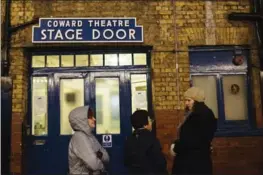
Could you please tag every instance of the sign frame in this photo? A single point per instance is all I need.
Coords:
(141, 39)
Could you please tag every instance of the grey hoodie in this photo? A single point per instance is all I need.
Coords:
(83, 145)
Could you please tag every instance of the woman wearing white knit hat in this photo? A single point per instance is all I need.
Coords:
(192, 148)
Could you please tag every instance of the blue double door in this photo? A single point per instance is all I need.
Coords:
(54, 95)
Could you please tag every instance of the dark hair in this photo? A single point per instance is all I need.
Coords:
(90, 113)
(139, 118)
(198, 107)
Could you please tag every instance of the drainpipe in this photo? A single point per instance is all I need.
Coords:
(176, 56)
(8, 31)
(5, 63)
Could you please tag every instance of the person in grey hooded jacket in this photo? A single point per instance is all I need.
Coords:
(86, 155)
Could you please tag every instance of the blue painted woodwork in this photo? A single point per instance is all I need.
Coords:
(217, 61)
(6, 118)
(51, 158)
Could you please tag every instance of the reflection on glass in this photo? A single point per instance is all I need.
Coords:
(71, 96)
(52, 61)
(96, 60)
(107, 106)
(39, 106)
(38, 61)
(208, 84)
(139, 92)
(235, 100)
(125, 59)
(139, 59)
(111, 60)
(67, 60)
(82, 60)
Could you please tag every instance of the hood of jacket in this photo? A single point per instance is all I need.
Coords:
(78, 119)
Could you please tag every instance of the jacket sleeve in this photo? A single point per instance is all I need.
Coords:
(83, 150)
(198, 132)
(105, 157)
(158, 157)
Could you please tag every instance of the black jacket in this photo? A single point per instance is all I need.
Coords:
(193, 146)
(143, 154)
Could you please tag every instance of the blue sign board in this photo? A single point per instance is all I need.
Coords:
(87, 30)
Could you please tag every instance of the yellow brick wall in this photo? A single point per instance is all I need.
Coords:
(2, 18)
(168, 26)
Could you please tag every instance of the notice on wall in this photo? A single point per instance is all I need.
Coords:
(107, 141)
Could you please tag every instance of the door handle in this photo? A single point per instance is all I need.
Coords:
(27, 129)
(39, 142)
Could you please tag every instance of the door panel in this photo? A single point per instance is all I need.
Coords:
(69, 90)
(109, 93)
(71, 96)
(38, 145)
(108, 98)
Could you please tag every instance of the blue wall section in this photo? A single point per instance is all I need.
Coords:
(6, 116)
(216, 61)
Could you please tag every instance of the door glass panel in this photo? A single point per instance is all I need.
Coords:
(111, 60)
(208, 85)
(38, 61)
(125, 59)
(139, 58)
(96, 60)
(39, 106)
(52, 61)
(107, 106)
(82, 60)
(235, 97)
(139, 92)
(67, 60)
(71, 96)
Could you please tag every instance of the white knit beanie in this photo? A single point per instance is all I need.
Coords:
(195, 94)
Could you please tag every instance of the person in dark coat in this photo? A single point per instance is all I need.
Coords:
(142, 150)
(192, 149)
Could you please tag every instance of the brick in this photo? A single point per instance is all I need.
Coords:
(157, 20)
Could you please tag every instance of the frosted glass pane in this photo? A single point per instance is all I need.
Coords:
(208, 84)
(139, 92)
(67, 60)
(96, 60)
(111, 60)
(107, 106)
(38, 61)
(125, 59)
(82, 60)
(52, 61)
(235, 101)
(71, 96)
(39, 106)
(139, 59)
